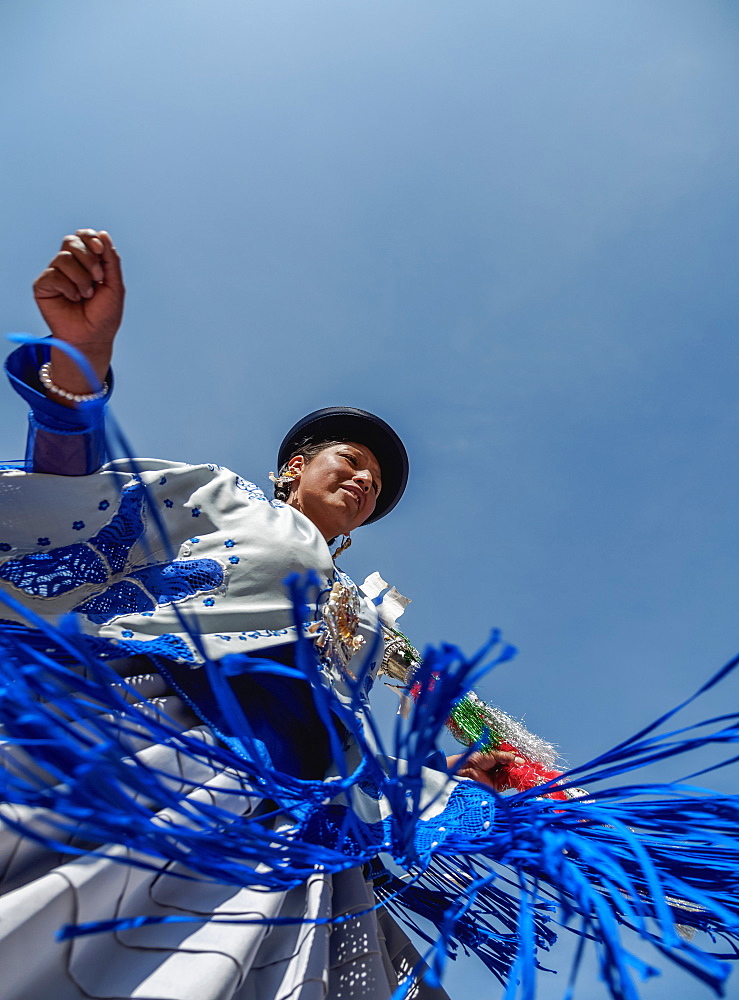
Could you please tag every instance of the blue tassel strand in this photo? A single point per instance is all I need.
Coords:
(497, 876)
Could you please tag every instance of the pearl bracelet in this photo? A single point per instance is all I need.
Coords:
(44, 374)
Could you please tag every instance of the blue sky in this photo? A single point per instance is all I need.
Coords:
(509, 228)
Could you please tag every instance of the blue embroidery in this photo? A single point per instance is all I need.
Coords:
(254, 493)
(103, 505)
(168, 503)
(258, 633)
(171, 646)
(195, 540)
(163, 480)
(175, 581)
(164, 584)
(48, 574)
(4, 547)
(251, 488)
(64, 569)
(167, 645)
(127, 633)
(233, 559)
(230, 543)
(123, 598)
(116, 539)
(43, 541)
(196, 512)
(209, 602)
(78, 525)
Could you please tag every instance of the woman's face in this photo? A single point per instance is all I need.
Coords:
(337, 489)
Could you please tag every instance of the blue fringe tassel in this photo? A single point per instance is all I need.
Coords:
(494, 875)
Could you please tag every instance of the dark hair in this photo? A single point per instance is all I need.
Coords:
(308, 448)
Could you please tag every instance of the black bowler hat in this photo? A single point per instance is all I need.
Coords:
(347, 423)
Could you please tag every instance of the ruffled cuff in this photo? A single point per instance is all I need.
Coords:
(62, 440)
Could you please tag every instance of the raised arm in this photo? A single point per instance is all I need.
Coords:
(80, 295)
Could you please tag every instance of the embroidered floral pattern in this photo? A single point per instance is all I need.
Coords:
(146, 588)
(58, 571)
(254, 493)
(259, 633)
(49, 574)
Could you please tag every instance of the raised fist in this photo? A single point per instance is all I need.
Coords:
(80, 295)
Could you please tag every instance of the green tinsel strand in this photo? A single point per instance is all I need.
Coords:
(467, 724)
(469, 719)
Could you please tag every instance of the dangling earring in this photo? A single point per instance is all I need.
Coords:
(345, 543)
(283, 481)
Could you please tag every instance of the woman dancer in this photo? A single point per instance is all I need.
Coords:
(245, 799)
(223, 553)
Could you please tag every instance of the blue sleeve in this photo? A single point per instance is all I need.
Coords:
(62, 440)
